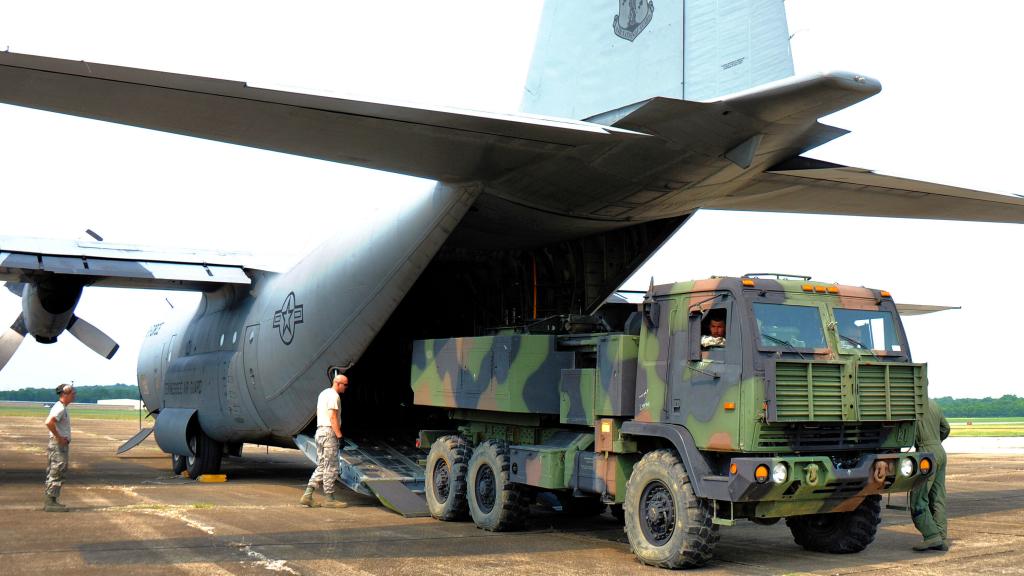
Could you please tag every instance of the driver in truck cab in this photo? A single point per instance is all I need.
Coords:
(713, 329)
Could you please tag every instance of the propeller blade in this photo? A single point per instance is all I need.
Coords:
(10, 340)
(16, 288)
(92, 337)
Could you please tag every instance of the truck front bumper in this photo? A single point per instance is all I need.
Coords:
(795, 485)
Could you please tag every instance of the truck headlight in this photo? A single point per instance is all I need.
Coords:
(780, 472)
(907, 467)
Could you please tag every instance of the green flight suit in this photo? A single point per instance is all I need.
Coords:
(928, 500)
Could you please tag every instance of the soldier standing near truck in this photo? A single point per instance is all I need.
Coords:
(328, 440)
(58, 422)
(928, 500)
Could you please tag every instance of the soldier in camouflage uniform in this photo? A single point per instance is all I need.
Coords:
(928, 500)
(328, 440)
(58, 422)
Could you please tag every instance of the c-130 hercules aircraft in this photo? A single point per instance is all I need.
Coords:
(533, 214)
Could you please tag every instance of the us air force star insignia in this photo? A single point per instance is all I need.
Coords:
(633, 17)
(287, 318)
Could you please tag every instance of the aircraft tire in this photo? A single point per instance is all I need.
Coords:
(178, 463)
(839, 532)
(445, 482)
(666, 524)
(207, 455)
(496, 504)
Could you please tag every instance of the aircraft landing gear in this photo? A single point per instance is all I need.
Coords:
(206, 455)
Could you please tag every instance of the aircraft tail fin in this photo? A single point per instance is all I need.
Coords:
(592, 58)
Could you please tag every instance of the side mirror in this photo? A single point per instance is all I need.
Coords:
(652, 310)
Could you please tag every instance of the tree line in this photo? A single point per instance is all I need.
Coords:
(1005, 406)
(86, 394)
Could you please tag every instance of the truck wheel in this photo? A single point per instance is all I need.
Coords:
(446, 478)
(839, 532)
(178, 463)
(206, 455)
(495, 502)
(666, 524)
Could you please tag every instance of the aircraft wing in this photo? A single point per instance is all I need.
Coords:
(440, 144)
(546, 179)
(118, 265)
(813, 186)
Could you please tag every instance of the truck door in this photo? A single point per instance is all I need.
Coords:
(709, 364)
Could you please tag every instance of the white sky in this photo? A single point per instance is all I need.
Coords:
(946, 114)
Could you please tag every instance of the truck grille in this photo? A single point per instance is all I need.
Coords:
(805, 391)
(889, 391)
(810, 437)
(808, 391)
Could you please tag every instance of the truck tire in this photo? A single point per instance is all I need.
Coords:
(666, 524)
(839, 532)
(495, 502)
(178, 463)
(446, 478)
(206, 455)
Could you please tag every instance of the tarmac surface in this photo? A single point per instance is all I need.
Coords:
(132, 516)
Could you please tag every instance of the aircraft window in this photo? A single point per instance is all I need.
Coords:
(170, 347)
(866, 330)
(234, 337)
(221, 340)
(252, 335)
(782, 326)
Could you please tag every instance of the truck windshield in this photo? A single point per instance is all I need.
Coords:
(782, 326)
(866, 330)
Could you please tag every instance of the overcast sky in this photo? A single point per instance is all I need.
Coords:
(946, 114)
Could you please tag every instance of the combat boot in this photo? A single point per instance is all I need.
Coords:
(333, 502)
(933, 543)
(307, 497)
(51, 505)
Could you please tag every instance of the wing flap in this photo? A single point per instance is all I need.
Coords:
(25, 259)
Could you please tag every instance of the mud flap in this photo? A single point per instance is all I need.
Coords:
(392, 473)
(135, 440)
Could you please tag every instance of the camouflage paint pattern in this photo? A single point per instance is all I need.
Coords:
(509, 373)
(834, 414)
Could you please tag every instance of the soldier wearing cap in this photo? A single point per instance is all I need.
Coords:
(58, 422)
(928, 500)
(328, 441)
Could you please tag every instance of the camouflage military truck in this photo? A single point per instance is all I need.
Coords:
(752, 398)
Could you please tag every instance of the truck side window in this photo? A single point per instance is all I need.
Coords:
(713, 328)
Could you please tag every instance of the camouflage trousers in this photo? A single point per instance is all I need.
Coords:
(326, 460)
(57, 455)
(928, 504)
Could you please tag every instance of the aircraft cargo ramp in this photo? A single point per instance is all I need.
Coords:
(389, 471)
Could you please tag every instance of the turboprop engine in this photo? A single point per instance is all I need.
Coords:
(47, 310)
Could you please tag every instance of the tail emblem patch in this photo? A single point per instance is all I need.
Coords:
(633, 17)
